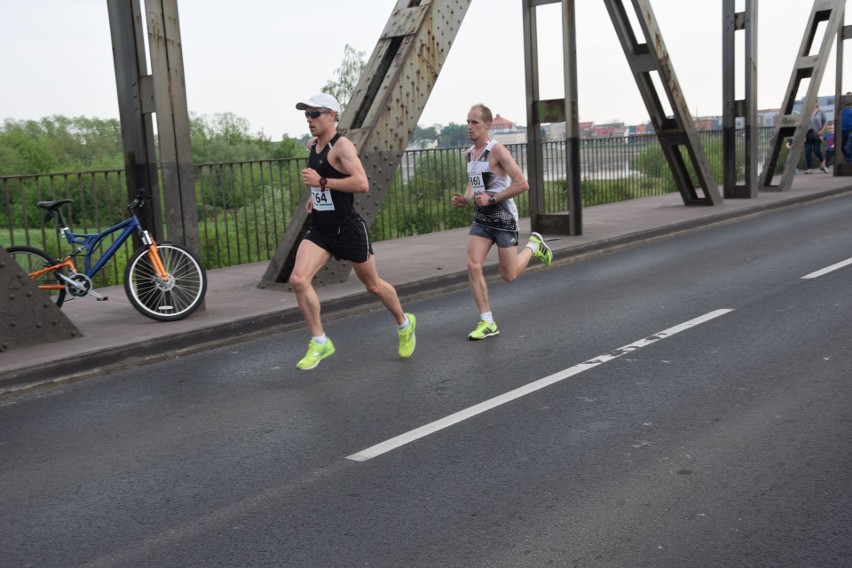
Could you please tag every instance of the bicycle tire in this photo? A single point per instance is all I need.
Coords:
(31, 259)
(165, 301)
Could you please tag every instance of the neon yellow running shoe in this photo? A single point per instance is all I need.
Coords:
(483, 330)
(407, 339)
(316, 353)
(543, 252)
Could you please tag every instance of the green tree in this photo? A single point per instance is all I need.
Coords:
(453, 136)
(423, 136)
(226, 137)
(347, 76)
(59, 143)
(653, 164)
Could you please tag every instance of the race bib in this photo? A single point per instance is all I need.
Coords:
(477, 181)
(322, 199)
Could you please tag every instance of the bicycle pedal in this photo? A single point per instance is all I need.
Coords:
(102, 298)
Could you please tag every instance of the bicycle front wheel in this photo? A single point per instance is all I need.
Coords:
(32, 260)
(168, 299)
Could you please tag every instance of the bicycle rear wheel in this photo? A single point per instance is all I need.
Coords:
(32, 260)
(173, 298)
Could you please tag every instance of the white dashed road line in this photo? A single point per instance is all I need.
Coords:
(447, 421)
(827, 269)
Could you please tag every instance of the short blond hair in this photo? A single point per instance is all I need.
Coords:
(486, 112)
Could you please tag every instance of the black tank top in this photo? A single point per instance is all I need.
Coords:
(332, 208)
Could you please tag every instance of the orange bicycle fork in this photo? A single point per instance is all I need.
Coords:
(154, 256)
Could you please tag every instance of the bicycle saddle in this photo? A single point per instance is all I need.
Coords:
(53, 205)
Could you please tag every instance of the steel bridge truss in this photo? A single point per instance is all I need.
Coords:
(810, 66)
(394, 89)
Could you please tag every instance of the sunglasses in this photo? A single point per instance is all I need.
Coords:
(315, 113)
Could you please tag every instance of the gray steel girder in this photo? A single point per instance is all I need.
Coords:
(808, 66)
(746, 108)
(382, 114)
(27, 315)
(676, 133)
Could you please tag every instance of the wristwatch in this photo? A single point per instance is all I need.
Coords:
(323, 182)
(492, 200)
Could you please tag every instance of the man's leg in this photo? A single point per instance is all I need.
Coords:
(369, 275)
(847, 145)
(512, 262)
(309, 259)
(809, 160)
(477, 250)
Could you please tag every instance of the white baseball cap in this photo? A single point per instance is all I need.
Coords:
(320, 100)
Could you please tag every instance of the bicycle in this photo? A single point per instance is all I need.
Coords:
(164, 281)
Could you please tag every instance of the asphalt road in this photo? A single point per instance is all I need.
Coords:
(685, 403)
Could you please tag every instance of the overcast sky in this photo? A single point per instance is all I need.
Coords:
(256, 58)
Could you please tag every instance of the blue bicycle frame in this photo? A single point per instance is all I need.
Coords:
(89, 242)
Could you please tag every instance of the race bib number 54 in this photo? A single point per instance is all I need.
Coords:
(322, 199)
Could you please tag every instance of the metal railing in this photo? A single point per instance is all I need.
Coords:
(244, 207)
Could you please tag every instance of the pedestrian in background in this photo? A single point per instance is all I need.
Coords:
(846, 130)
(813, 139)
(828, 138)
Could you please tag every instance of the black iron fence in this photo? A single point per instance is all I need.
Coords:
(244, 207)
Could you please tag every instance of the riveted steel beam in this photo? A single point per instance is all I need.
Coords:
(382, 114)
(808, 66)
(549, 111)
(134, 87)
(172, 113)
(162, 92)
(676, 133)
(746, 108)
(27, 316)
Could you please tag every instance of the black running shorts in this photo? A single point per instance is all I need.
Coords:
(346, 242)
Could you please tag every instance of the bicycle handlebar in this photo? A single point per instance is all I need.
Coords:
(139, 201)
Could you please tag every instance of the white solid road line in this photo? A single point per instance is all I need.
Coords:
(828, 269)
(472, 411)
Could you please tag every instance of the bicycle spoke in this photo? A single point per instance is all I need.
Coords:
(173, 297)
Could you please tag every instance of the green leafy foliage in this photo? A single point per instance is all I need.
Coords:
(421, 203)
(347, 76)
(58, 142)
(453, 136)
(63, 144)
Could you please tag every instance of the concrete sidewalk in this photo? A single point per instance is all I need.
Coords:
(116, 336)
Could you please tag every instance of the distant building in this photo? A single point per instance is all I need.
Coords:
(500, 124)
(826, 104)
(507, 132)
(587, 129)
(767, 117)
(554, 132)
(707, 123)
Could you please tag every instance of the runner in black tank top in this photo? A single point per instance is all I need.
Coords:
(331, 208)
(335, 224)
(334, 175)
